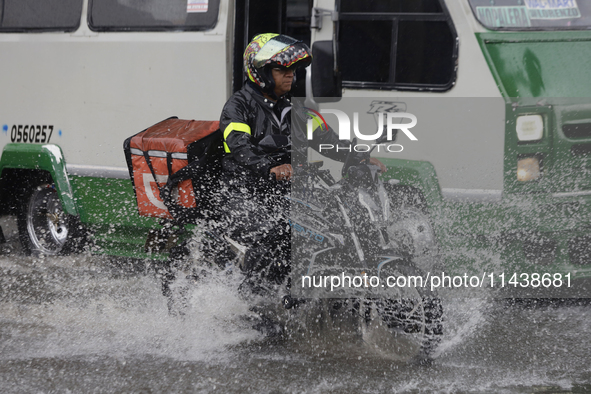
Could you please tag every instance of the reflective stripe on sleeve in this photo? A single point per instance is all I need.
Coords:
(235, 126)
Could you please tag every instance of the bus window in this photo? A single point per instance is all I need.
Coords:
(396, 44)
(405, 6)
(298, 19)
(131, 15)
(533, 14)
(39, 15)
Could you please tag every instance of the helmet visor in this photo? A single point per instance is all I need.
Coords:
(271, 48)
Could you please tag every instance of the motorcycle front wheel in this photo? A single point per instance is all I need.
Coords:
(407, 329)
(405, 319)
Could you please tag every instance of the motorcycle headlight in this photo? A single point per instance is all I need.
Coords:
(530, 127)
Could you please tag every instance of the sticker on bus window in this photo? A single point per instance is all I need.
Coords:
(503, 16)
(197, 5)
(552, 9)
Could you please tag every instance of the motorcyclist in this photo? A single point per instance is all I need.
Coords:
(255, 178)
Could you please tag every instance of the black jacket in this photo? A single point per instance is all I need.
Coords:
(248, 117)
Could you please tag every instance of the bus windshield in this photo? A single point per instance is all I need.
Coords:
(533, 14)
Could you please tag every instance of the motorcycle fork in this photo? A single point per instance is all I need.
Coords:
(349, 226)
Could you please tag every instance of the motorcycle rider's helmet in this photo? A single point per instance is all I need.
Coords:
(270, 50)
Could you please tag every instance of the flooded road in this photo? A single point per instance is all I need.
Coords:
(88, 324)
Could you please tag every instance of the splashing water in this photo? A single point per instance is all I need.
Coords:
(88, 323)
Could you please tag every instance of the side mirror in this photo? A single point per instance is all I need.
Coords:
(384, 137)
(326, 80)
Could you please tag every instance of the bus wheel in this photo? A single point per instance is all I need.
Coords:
(43, 225)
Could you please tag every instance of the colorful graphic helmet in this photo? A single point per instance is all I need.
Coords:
(269, 50)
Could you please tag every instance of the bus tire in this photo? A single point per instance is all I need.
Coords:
(43, 225)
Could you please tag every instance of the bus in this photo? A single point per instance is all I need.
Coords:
(500, 88)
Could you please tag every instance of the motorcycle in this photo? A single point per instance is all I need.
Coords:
(358, 230)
